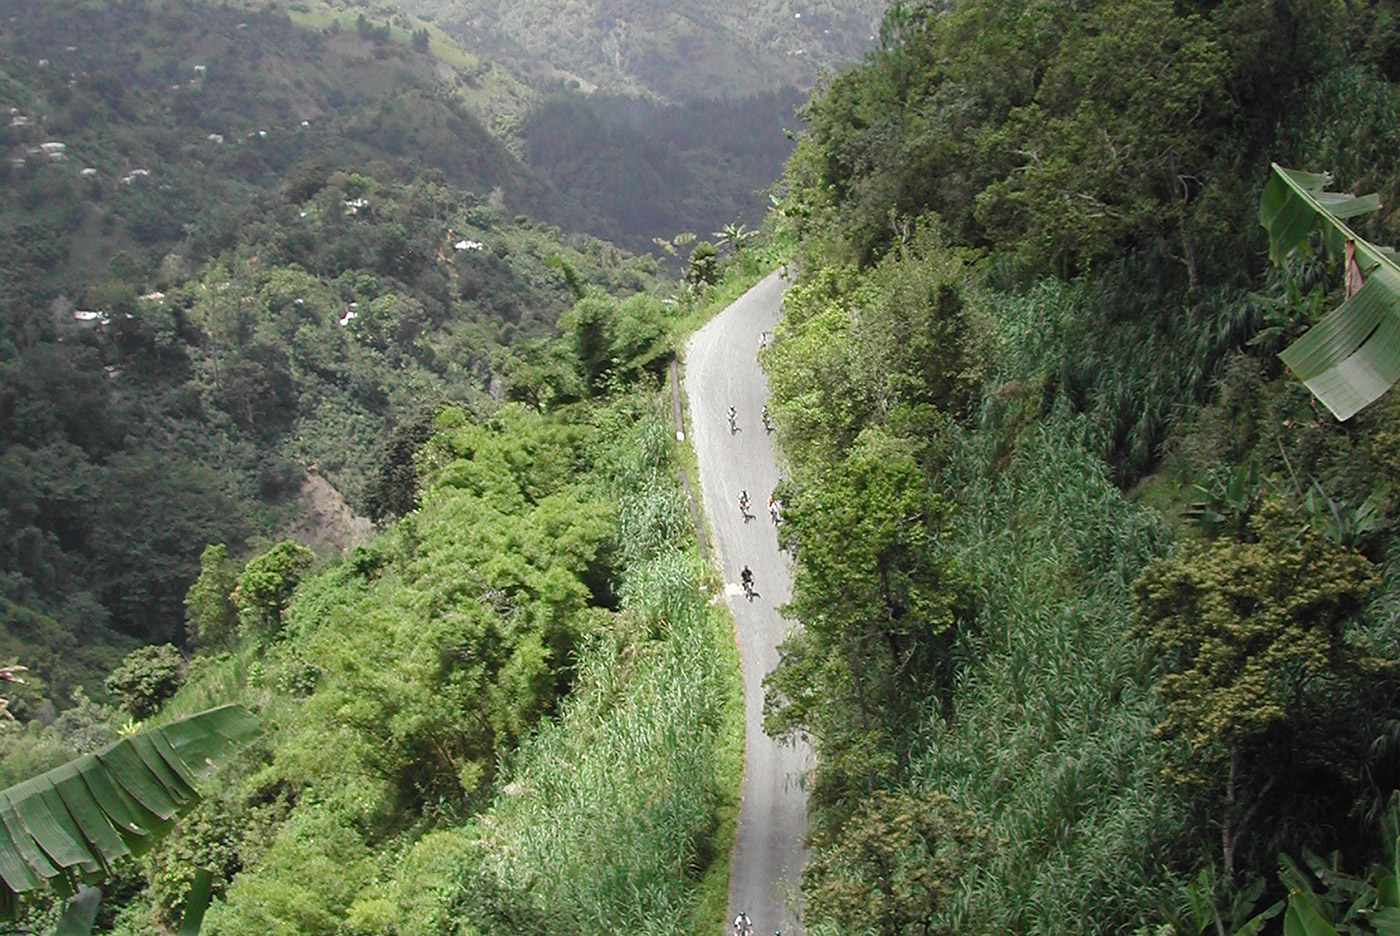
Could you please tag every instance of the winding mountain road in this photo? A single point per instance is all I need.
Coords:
(721, 370)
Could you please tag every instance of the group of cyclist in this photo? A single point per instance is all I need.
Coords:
(743, 926)
(733, 416)
(775, 507)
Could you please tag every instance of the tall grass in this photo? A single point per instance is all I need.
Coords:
(1045, 730)
(1130, 358)
(1050, 736)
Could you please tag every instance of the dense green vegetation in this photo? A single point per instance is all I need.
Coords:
(516, 707)
(292, 292)
(1118, 626)
(196, 413)
(263, 312)
(1099, 604)
(291, 236)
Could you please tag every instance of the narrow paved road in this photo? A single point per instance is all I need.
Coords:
(721, 370)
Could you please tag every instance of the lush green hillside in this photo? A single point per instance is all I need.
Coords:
(1098, 599)
(175, 121)
(515, 709)
(674, 52)
(213, 339)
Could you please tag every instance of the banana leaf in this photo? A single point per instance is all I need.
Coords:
(1352, 356)
(80, 913)
(65, 828)
(201, 892)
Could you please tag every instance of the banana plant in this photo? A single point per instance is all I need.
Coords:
(1344, 525)
(1347, 904)
(1225, 504)
(1235, 918)
(1352, 355)
(65, 829)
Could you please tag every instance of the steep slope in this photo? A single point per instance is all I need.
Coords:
(203, 109)
(675, 51)
(245, 250)
(1058, 510)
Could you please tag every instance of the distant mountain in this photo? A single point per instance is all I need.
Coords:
(159, 121)
(673, 50)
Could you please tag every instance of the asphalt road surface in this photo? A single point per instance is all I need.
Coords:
(721, 370)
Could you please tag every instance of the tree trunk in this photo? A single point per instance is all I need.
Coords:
(1228, 832)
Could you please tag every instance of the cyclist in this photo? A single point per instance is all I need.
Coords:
(732, 416)
(773, 508)
(746, 577)
(767, 423)
(744, 502)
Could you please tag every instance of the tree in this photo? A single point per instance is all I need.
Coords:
(1117, 144)
(146, 678)
(1251, 633)
(210, 615)
(893, 866)
(703, 267)
(735, 236)
(591, 325)
(394, 490)
(875, 597)
(266, 585)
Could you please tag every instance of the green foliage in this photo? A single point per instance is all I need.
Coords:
(266, 584)
(1363, 333)
(1081, 180)
(514, 680)
(1248, 629)
(1345, 526)
(1348, 903)
(74, 821)
(394, 491)
(1260, 668)
(712, 50)
(901, 343)
(701, 269)
(224, 374)
(146, 678)
(1235, 915)
(604, 344)
(876, 596)
(1225, 506)
(894, 866)
(211, 617)
(608, 820)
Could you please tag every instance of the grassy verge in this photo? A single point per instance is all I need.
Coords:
(711, 907)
